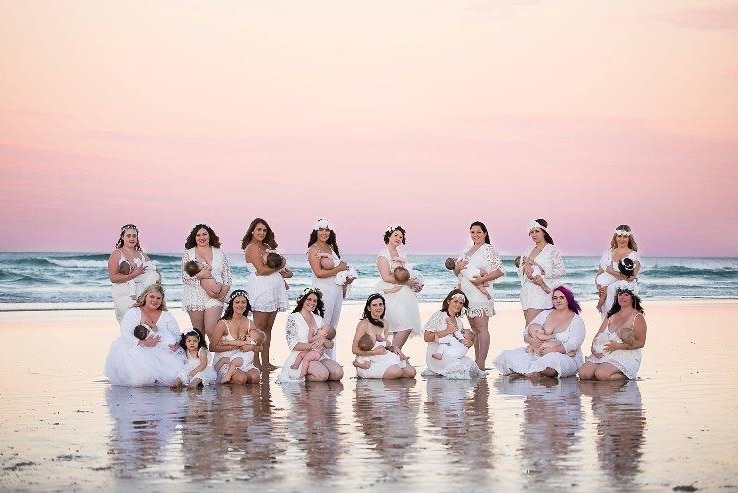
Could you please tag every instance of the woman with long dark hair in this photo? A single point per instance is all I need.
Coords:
(541, 268)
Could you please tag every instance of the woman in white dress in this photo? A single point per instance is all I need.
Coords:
(454, 362)
(618, 360)
(203, 246)
(622, 245)
(482, 256)
(385, 361)
(266, 286)
(541, 268)
(156, 360)
(402, 311)
(142, 272)
(304, 321)
(322, 243)
(235, 321)
(558, 357)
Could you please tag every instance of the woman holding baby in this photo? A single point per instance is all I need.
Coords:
(266, 286)
(477, 266)
(331, 275)
(616, 348)
(206, 290)
(402, 311)
(541, 268)
(612, 266)
(308, 336)
(130, 270)
(554, 339)
(448, 340)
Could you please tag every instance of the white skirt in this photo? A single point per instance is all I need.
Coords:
(520, 361)
(401, 309)
(267, 293)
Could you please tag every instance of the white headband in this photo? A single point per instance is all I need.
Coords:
(459, 296)
(322, 224)
(623, 285)
(393, 228)
(535, 225)
(622, 232)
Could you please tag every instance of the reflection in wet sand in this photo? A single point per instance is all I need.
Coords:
(551, 429)
(620, 426)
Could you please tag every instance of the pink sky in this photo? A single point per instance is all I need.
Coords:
(432, 114)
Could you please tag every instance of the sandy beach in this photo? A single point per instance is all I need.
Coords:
(63, 427)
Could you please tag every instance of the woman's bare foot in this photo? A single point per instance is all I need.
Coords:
(176, 385)
(268, 367)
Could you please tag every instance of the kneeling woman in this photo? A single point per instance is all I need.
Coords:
(233, 344)
(561, 356)
(303, 325)
(445, 328)
(382, 361)
(157, 358)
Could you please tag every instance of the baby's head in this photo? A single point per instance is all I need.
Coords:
(402, 275)
(366, 343)
(627, 335)
(258, 336)
(626, 266)
(517, 261)
(330, 332)
(192, 268)
(273, 260)
(327, 262)
(124, 268)
(141, 332)
(450, 263)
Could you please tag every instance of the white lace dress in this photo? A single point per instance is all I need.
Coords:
(628, 361)
(332, 299)
(401, 308)
(454, 364)
(520, 361)
(266, 293)
(554, 270)
(380, 363)
(605, 262)
(485, 258)
(129, 364)
(297, 330)
(194, 297)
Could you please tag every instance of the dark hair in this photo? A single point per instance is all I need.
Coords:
(516, 261)
(331, 240)
(368, 314)
(547, 237)
(268, 239)
(228, 313)
(274, 260)
(570, 301)
(450, 263)
(193, 332)
(192, 268)
(319, 306)
(123, 229)
(636, 303)
(447, 300)
(482, 227)
(631, 240)
(141, 332)
(212, 237)
(389, 232)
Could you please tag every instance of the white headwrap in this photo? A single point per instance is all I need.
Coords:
(535, 225)
(322, 224)
(622, 232)
(623, 285)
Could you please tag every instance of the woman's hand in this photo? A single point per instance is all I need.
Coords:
(174, 347)
(137, 271)
(206, 272)
(223, 292)
(342, 266)
(538, 280)
(460, 264)
(613, 346)
(318, 344)
(150, 341)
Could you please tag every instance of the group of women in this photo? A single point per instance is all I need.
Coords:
(390, 316)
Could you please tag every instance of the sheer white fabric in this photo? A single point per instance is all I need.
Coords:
(297, 330)
(454, 364)
(194, 297)
(485, 258)
(401, 308)
(553, 271)
(605, 261)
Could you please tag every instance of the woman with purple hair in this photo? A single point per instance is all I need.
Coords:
(561, 355)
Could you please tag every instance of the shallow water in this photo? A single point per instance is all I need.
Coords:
(62, 427)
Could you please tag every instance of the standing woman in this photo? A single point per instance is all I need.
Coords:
(322, 244)
(203, 246)
(622, 245)
(266, 287)
(484, 257)
(127, 249)
(402, 311)
(541, 269)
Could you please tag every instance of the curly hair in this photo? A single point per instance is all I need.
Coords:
(268, 239)
(191, 242)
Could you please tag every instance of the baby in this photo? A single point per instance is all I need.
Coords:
(304, 358)
(626, 334)
(470, 272)
(226, 366)
(366, 343)
(136, 285)
(141, 332)
(402, 276)
(464, 336)
(273, 260)
(210, 285)
(625, 266)
(539, 332)
(530, 270)
(327, 262)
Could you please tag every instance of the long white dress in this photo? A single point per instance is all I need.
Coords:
(628, 361)
(266, 293)
(129, 364)
(332, 301)
(552, 265)
(520, 361)
(605, 262)
(297, 330)
(454, 364)
(194, 297)
(486, 258)
(401, 308)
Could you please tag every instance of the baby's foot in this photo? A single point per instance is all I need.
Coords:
(364, 365)
(437, 356)
(177, 384)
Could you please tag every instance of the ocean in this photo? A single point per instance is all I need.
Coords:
(80, 280)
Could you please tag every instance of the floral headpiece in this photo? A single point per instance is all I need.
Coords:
(236, 293)
(392, 228)
(630, 286)
(322, 224)
(622, 232)
(309, 290)
(128, 226)
(535, 225)
(459, 296)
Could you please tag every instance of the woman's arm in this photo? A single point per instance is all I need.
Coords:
(217, 344)
(318, 270)
(203, 357)
(383, 267)
(253, 256)
(360, 331)
(115, 276)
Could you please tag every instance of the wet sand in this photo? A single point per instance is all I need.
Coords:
(62, 427)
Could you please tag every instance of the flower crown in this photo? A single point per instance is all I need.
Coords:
(535, 225)
(622, 232)
(392, 228)
(309, 290)
(128, 226)
(630, 286)
(236, 293)
(322, 224)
